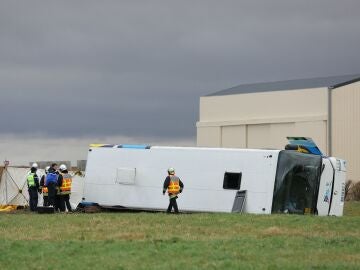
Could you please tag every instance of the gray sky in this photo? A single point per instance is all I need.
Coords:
(72, 72)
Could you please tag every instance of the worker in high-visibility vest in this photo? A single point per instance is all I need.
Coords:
(33, 187)
(65, 188)
(44, 188)
(174, 186)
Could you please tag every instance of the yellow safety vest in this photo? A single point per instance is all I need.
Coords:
(31, 180)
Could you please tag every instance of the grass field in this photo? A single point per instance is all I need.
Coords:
(188, 241)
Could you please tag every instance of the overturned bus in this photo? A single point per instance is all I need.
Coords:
(216, 179)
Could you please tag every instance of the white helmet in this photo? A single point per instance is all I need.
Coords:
(171, 170)
(63, 167)
(34, 165)
(47, 169)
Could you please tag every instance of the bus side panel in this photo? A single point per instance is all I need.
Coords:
(324, 196)
(201, 170)
(337, 203)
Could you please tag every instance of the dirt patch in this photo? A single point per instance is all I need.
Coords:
(273, 231)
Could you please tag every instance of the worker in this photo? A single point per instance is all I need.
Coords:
(65, 189)
(174, 186)
(58, 206)
(33, 187)
(44, 188)
(52, 182)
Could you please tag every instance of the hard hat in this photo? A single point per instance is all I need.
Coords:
(34, 165)
(62, 167)
(47, 169)
(171, 171)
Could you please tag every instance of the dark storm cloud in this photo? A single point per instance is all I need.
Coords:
(137, 68)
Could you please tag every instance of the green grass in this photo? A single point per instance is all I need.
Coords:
(189, 241)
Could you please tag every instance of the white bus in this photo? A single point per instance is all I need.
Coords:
(216, 179)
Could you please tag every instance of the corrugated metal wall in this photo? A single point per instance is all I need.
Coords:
(345, 127)
(263, 120)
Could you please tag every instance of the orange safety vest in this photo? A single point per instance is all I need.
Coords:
(66, 184)
(45, 191)
(174, 186)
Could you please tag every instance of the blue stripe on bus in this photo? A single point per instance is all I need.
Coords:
(134, 146)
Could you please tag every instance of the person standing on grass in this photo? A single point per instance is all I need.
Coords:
(44, 188)
(58, 206)
(33, 187)
(51, 182)
(65, 189)
(174, 186)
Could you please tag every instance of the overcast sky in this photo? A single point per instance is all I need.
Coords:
(73, 72)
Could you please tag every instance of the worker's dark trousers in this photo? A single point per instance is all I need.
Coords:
(58, 205)
(65, 201)
(52, 194)
(33, 194)
(173, 204)
(46, 200)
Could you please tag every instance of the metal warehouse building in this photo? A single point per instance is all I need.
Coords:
(262, 115)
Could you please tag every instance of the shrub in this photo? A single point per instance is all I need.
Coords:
(355, 191)
(348, 186)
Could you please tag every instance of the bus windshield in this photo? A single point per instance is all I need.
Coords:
(297, 183)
